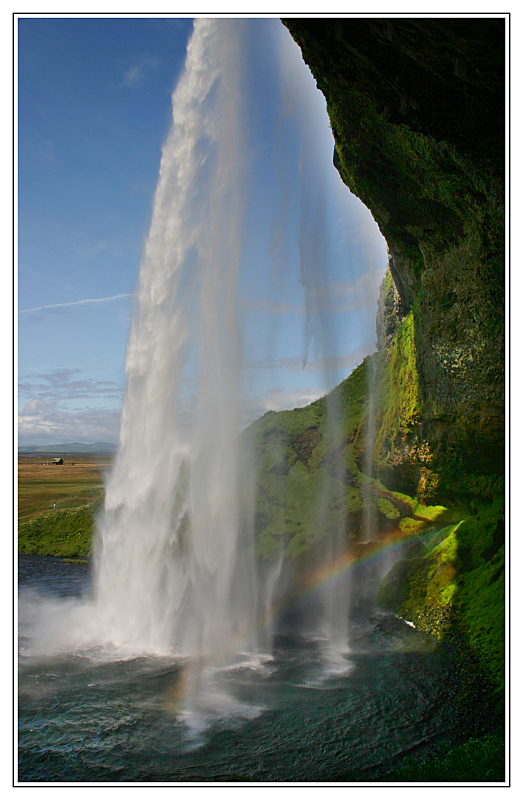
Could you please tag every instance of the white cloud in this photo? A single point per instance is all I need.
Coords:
(43, 422)
(63, 406)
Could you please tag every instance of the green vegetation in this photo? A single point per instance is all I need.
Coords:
(451, 581)
(455, 589)
(77, 489)
(425, 463)
(476, 760)
(316, 479)
(314, 476)
(59, 533)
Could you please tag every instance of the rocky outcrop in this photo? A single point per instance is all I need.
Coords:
(417, 112)
(391, 312)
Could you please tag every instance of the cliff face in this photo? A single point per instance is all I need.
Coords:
(417, 112)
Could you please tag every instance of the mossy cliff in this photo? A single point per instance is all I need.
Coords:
(417, 112)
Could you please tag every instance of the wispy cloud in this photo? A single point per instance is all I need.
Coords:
(65, 385)
(91, 300)
(137, 73)
(62, 405)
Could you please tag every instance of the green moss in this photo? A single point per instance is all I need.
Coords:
(386, 508)
(457, 589)
(430, 513)
(399, 583)
(301, 509)
(406, 499)
(480, 607)
(447, 550)
(427, 583)
(397, 399)
(409, 526)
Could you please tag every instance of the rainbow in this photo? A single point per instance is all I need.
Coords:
(309, 582)
(354, 559)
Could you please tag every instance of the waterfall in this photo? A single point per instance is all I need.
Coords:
(173, 569)
(176, 569)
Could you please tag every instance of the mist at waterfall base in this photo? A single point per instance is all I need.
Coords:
(178, 655)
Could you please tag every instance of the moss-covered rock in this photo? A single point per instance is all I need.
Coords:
(314, 480)
(456, 587)
(390, 312)
(416, 109)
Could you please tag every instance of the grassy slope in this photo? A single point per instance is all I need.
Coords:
(59, 533)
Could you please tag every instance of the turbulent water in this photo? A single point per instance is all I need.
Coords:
(292, 717)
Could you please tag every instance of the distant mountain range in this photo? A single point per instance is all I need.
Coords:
(70, 447)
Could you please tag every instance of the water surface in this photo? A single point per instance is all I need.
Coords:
(300, 713)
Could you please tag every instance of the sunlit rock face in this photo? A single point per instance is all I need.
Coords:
(417, 112)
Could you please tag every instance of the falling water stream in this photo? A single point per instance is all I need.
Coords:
(172, 528)
(164, 660)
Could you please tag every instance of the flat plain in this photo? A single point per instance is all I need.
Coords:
(79, 481)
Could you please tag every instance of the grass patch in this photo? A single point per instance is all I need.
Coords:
(76, 487)
(66, 534)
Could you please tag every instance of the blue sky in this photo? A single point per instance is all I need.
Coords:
(94, 108)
